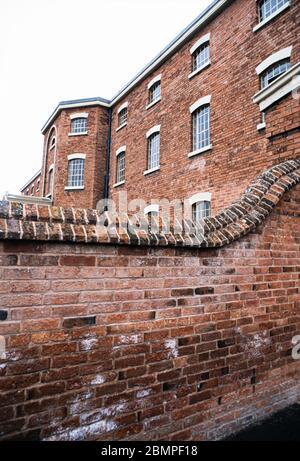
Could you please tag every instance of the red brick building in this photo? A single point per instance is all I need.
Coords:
(217, 106)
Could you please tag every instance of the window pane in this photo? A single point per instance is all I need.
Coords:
(50, 182)
(269, 7)
(200, 210)
(121, 167)
(154, 92)
(123, 117)
(274, 71)
(76, 173)
(201, 128)
(200, 56)
(79, 125)
(153, 151)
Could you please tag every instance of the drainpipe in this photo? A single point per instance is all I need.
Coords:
(106, 179)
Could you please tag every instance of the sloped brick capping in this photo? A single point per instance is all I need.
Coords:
(150, 337)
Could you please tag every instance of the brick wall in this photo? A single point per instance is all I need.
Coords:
(93, 145)
(239, 151)
(169, 341)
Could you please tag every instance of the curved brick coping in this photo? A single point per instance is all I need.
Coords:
(46, 223)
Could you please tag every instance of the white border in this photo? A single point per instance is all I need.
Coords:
(151, 208)
(272, 16)
(154, 129)
(195, 72)
(275, 57)
(153, 102)
(74, 156)
(121, 150)
(154, 80)
(204, 39)
(201, 102)
(123, 106)
(79, 115)
(200, 151)
(201, 197)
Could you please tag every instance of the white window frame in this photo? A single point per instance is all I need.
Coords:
(200, 197)
(272, 16)
(51, 168)
(153, 130)
(74, 157)
(79, 115)
(205, 101)
(152, 82)
(203, 40)
(122, 107)
(121, 150)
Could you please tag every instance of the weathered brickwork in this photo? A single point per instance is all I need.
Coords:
(149, 342)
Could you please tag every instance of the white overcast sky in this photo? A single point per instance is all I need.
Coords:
(54, 50)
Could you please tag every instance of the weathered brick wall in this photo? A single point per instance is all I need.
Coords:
(113, 341)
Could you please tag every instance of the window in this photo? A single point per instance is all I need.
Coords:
(123, 116)
(52, 143)
(200, 210)
(154, 92)
(274, 71)
(200, 57)
(201, 127)
(27, 192)
(76, 173)
(152, 212)
(38, 185)
(32, 190)
(79, 125)
(120, 167)
(153, 151)
(50, 181)
(267, 8)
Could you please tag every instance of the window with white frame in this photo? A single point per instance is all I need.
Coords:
(274, 71)
(123, 116)
(153, 150)
(200, 210)
(76, 172)
(38, 185)
(152, 212)
(154, 92)
(52, 142)
(79, 125)
(201, 127)
(50, 181)
(267, 8)
(201, 56)
(32, 190)
(120, 176)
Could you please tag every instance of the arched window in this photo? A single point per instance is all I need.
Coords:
(79, 125)
(120, 171)
(76, 171)
(52, 142)
(200, 210)
(274, 71)
(153, 150)
(200, 112)
(154, 91)
(267, 8)
(152, 212)
(50, 181)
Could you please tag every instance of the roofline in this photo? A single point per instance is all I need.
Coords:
(30, 180)
(74, 104)
(185, 34)
(204, 17)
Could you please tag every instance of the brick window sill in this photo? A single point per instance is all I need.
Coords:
(84, 133)
(267, 20)
(200, 151)
(152, 170)
(121, 126)
(197, 71)
(153, 103)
